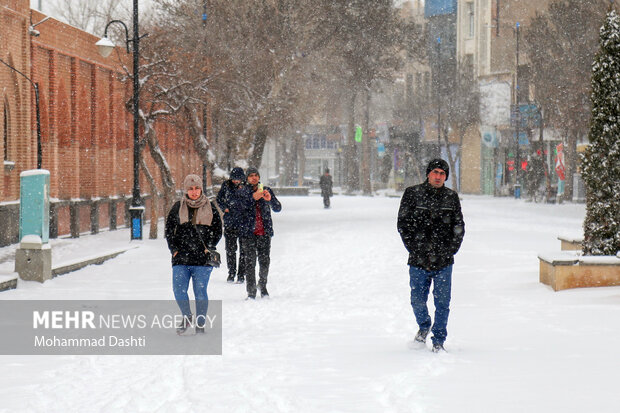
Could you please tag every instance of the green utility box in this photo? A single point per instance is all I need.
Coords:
(34, 209)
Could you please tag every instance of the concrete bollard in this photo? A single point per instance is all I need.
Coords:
(33, 259)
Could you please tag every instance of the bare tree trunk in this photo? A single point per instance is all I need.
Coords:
(365, 164)
(451, 160)
(260, 138)
(167, 180)
(154, 199)
(350, 145)
(571, 165)
(301, 161)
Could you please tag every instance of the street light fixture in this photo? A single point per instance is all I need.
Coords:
(136, 211)
(35, 86)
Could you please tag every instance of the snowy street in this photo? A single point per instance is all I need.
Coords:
(334, 336)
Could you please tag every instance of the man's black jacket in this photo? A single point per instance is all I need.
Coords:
(430, 223)
(226, 200)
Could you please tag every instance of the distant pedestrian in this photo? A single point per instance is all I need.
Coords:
(256, 230)
(226, 201)
(430, 223)
(193, 229)
(326, 184)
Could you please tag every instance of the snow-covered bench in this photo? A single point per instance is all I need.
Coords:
(568, 269)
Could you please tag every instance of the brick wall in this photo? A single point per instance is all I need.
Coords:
(87, 134)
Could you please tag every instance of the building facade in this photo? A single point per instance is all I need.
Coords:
(489, 36)
(86, 130)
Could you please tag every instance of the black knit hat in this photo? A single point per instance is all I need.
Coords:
(251, 170)
(237, 174)
(438, 163)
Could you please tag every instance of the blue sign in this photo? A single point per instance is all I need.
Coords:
(439, 7)
(528, 116)
(523, 140)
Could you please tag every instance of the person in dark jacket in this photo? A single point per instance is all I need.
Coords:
(326, 184)
(256, 230)
(225, 199)
(193, 229)
(430, 223)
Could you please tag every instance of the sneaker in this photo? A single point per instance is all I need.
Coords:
(231, 278)
(200, 330)
(184, 327)
(240, 279)
(421, 336)
(263, 292)
(251, 297)
(438, 347)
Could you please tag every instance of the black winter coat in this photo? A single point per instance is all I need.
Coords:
(190, 240)
(430, 223)
(226, 200)
(326, 184)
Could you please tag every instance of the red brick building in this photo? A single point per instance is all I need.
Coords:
(87, 139)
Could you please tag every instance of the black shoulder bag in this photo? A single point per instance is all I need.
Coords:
(213, 257)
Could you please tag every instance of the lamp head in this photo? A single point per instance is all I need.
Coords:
(105, 46)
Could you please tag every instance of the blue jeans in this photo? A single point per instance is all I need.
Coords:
(181, 274)
(420, 283)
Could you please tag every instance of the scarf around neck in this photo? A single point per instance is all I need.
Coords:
(203, 214)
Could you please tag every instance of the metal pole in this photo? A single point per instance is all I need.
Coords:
(439, 97)
(39, 148)
(38, 111)
(137, 208)
(518, 124)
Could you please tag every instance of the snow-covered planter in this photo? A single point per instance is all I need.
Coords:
(570, 242)
(569, 269)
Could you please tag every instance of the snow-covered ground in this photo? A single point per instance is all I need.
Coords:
(334, 335)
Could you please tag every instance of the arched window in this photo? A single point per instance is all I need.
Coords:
(5, 130)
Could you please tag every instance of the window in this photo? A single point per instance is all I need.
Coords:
(470, 14)
(5, 131)
(418, 84)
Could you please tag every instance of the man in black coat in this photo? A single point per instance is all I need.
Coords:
(256, 229)
(226, 201)
(430, 223)
(326, 184)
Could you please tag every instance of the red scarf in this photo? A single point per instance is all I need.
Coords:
(259, 228)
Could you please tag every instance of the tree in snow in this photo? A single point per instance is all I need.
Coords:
(560, 44)
(462, 110)
(266, 53)
(601, 162)
(368, 38)
(91, 16)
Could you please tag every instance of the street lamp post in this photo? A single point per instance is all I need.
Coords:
(136, 211)
(517, 191)
(439, 97)
(35, 86)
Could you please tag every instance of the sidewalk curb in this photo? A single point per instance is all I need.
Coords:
(74, 265)
(8, 281)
